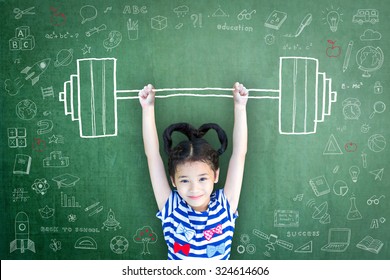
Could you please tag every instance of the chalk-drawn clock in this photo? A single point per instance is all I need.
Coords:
(351, 108)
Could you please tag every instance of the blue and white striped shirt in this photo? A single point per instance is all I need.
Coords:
(194, 234)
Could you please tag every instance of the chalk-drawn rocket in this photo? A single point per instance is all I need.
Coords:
(36, 70)
(22, 240)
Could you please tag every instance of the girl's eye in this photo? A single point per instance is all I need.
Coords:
(184, 181)
(203, 179)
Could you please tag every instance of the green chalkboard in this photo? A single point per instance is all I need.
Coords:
(74, 177)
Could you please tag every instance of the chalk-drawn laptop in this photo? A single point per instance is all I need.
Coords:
(338, 240)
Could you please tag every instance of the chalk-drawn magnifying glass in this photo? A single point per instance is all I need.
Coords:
(379, 107)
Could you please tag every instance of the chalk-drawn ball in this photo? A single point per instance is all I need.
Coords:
(377, 143)
(26, 109)
(64, 57)
(119, 244)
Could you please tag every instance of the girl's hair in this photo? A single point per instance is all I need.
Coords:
(195, 148)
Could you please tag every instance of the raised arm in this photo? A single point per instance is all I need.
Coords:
(157, 173)
(240, 138)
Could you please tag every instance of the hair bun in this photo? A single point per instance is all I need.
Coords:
(220, 132)
(193, 133)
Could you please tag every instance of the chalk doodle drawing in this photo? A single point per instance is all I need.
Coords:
(146, 236)
(306, 112)
(22, 239)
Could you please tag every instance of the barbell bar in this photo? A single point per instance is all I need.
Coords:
(305, 96)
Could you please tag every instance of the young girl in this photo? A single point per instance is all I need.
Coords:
(197, 223)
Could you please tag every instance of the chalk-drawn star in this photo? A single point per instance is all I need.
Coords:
(86, 49)
(53, 139)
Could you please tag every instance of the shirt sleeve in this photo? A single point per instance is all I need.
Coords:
(172, 202)
(225, 203)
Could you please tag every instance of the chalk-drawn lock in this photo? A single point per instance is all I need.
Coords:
(378, 88)
(305, 96)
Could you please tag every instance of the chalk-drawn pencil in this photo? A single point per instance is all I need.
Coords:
(96, 211)
(91, 206)
(347, 56)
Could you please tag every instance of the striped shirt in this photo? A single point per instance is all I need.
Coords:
(193, 234)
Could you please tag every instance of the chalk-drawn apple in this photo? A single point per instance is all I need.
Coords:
(350, 147)
(333, 51)
(57, 18)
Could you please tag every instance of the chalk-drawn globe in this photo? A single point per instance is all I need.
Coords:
(26, 109)
(119, 244)
(369, 59)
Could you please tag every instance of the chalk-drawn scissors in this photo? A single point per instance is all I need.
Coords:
(19, 13)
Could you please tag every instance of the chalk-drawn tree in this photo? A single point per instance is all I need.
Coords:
(145, 235)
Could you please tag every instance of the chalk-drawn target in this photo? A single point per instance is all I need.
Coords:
(305, 96)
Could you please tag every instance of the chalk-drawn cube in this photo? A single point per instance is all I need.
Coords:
(159, 22)
(27, 43)
(22, 32)
(14, 44)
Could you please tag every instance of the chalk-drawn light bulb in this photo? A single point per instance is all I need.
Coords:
(354, 171)
(333, 19)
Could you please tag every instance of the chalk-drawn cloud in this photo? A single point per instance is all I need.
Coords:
(370, 35)
(181, 10)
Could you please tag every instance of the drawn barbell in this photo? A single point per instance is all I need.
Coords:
(305, 96)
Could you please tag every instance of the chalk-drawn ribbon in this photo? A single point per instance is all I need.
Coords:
(211, 250)
(188, 233)
(184, 248)
(208, 234)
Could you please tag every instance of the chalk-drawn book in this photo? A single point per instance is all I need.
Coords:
(22, 164)
(370, 244)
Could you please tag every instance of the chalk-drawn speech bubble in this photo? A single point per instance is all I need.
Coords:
(88, 13)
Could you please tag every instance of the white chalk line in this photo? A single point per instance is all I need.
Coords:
(200, 95)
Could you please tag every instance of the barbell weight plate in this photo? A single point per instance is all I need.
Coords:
(298, 82)
(321, 101)
(96, 95)
(74, 97)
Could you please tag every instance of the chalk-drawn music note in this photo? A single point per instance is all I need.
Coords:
(108, 9)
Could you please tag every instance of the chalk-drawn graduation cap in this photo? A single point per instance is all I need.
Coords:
(66, 180)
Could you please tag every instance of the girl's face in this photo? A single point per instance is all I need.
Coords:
(195, 182)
